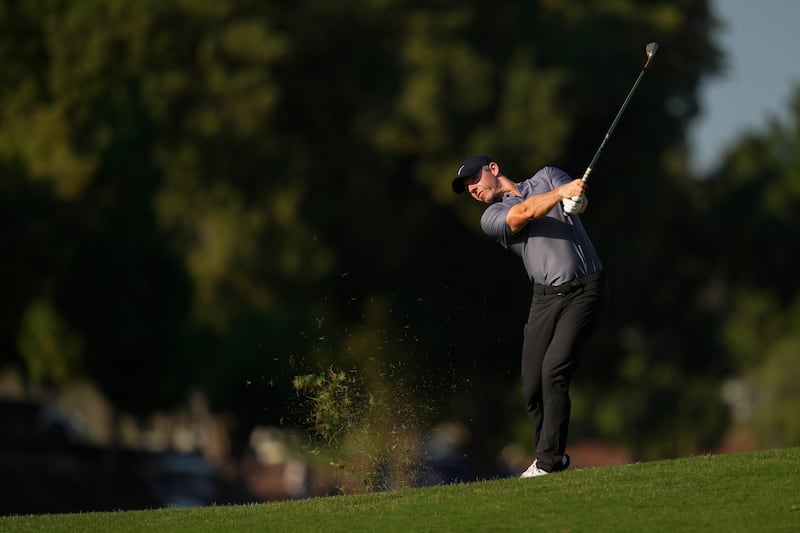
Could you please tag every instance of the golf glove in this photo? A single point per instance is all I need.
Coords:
(572, 206)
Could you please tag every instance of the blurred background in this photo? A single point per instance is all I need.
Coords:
(234, 271)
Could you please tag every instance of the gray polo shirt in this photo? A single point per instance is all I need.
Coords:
(555, 249)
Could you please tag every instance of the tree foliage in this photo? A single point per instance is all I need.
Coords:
(750, 203)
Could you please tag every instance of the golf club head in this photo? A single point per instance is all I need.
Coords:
(650, 50)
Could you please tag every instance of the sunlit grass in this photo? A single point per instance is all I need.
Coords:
(757, 491)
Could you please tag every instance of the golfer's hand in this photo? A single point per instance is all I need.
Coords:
(573, 206)
(572, 189)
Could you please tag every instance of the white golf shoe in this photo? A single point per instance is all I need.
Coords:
(534, 470)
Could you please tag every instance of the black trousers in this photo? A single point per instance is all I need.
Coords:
(558, 328)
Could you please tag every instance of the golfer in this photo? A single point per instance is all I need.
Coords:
(537, 219)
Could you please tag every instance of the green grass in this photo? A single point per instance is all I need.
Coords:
(757, 491)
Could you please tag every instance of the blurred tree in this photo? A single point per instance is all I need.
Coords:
(750, 203)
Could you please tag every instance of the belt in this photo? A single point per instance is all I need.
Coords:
(570, 286)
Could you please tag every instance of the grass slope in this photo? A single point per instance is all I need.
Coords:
(757, 491)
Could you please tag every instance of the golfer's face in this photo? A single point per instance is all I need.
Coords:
(481, 186)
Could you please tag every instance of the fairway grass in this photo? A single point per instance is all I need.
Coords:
(754, 491)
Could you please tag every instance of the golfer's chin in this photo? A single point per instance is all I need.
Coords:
(484, 196)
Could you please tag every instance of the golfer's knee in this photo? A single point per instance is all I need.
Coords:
(555, 379)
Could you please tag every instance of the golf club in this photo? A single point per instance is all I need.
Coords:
(650, 49)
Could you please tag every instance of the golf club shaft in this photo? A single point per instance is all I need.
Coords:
(651, 50)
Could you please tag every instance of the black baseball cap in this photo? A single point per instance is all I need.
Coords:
(470, 167)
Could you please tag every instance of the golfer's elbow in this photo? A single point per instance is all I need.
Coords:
(519, 216)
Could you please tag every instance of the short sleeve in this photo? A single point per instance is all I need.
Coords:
(493, 221)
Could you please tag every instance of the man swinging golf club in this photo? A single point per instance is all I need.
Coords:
(537, 219)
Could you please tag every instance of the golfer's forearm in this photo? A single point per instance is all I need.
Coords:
(532, 208)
